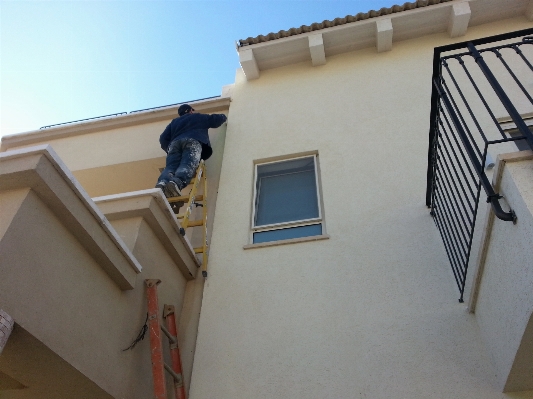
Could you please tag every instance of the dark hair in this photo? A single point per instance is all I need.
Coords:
(184, 109)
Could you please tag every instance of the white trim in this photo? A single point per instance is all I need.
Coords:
(284, 157)
(319, 202)
(287, 241)
(254, 200)
(292, 223)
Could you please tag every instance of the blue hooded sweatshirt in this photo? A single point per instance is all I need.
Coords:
(192, 126)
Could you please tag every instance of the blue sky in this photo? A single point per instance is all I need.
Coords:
(66, 60)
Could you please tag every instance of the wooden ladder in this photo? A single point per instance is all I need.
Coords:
(156, 344)
(194, 199)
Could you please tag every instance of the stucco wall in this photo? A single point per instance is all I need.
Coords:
(505, 303)
(109, 160)
(372, 311)
(59, 294)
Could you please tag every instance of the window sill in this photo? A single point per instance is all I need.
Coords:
(289, 241)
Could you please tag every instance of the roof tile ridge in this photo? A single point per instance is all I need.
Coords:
(409, 5)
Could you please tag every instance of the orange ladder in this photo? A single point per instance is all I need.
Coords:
(156, 344)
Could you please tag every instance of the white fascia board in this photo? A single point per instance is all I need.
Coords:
(529, 11)
(459, 18)
(249, 64)
(384, 33)
(316, 48)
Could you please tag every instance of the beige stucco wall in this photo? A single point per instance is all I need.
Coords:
(73, 281)
(58, 293)
(371, 312)
(107, 159)
(505, 300)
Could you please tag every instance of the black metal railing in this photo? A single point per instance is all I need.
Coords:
(475, 85)
(126, 113)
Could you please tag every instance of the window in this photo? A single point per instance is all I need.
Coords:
(286, 200)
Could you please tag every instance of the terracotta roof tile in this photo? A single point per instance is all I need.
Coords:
(339, 21)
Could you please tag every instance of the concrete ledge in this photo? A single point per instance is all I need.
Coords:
(285, 242)
(42, 171)
(155, 210)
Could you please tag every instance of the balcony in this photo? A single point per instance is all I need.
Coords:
(481, 110)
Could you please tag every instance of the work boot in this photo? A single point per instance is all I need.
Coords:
(173, 189)
(163, 186)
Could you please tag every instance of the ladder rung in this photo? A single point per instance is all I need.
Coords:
(185, 198)
(170, 337)
(199, 250)
(194, 223)
(177, 377)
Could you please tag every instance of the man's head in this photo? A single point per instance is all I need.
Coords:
(185, 109)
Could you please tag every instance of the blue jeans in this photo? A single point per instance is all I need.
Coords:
(183, 159)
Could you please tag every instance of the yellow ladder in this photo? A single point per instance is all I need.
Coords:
(194, 199)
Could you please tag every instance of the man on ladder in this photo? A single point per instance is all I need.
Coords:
(186, 141)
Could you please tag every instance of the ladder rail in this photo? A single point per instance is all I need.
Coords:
(205, 245)
(170, 317)
(185, 218)
(156, 344)
(192, 195)
(156, 341)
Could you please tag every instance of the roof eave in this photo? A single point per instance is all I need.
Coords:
(381, 32)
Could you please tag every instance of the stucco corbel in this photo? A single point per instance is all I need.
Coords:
(316, 48)
(459, 18)
(249, 64)
(384, 33)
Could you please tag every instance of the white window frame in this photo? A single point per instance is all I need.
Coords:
(294, 223)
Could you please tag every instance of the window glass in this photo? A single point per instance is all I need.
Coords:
(291, 232)
(286, 192)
